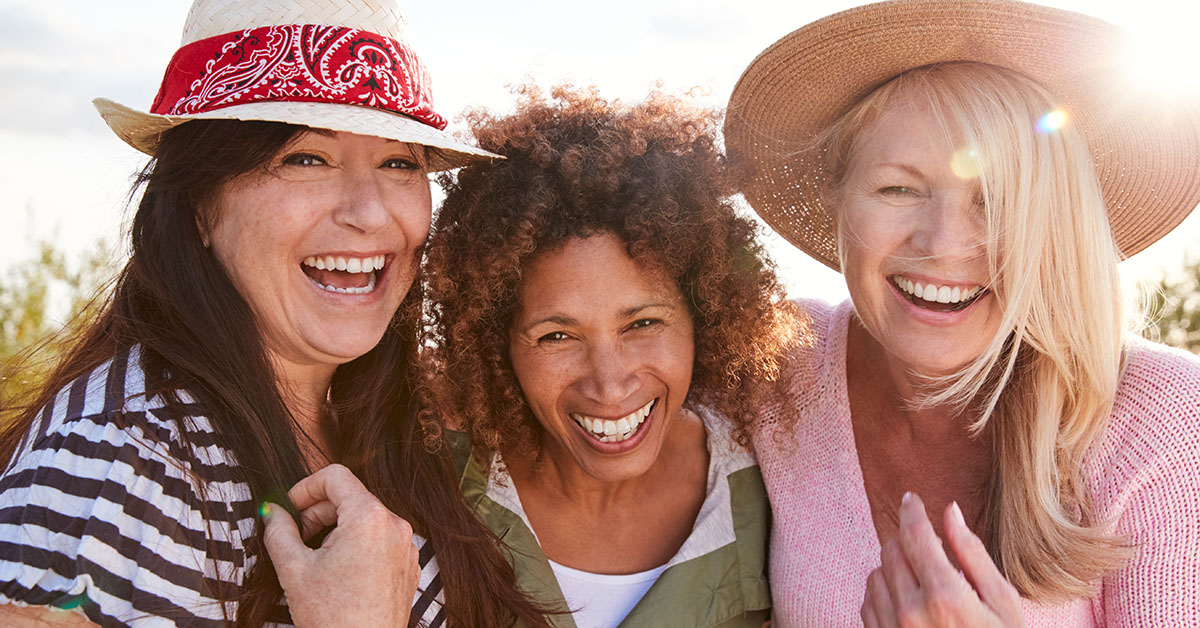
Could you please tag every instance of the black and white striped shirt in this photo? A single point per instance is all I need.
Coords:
(108, 519)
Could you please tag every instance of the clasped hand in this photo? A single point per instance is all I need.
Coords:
(365, 572)
(917, 586)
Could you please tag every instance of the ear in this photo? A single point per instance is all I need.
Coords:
(203, 227)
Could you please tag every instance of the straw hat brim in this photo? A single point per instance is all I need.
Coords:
(142, 130)
(1146, 145)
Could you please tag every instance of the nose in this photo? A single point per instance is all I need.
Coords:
(951, 226)
(361, 206)
(611, 374)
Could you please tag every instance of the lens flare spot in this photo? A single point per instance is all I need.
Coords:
(1052, 121)
(965, 164)
(73, 602)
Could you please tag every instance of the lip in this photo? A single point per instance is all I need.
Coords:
(627, 444)
(931, 317)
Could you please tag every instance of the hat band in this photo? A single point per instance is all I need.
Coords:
(297, 63)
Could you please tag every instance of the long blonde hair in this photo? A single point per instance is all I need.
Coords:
(1048, 378)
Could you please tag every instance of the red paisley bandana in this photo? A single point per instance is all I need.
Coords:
(297, 63)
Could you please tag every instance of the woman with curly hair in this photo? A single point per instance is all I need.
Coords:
(598, 318)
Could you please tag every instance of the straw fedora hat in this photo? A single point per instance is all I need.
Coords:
(341, 65)
(1146, 145)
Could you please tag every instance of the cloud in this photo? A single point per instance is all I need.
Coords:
(51, 68)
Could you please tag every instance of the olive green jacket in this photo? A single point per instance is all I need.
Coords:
(717, 579)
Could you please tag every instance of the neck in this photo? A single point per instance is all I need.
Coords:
(897, 393)
(305, 391)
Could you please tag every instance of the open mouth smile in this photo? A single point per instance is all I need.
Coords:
(939, 298)
(344, 275)
(614, 431)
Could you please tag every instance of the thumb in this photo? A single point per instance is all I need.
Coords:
(281, 538)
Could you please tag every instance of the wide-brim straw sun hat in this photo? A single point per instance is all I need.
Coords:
(339, 65)
(1145, 143)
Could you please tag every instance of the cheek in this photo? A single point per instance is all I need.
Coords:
(413, 211)
(538, 377)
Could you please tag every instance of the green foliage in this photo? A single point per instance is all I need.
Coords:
(1173, 308)
(37, 297)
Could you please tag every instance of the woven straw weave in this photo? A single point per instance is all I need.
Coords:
(209, 18)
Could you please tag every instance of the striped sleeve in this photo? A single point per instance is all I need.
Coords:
(103, 515)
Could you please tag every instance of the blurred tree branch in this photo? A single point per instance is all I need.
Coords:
(1173, 308)
(38, 297)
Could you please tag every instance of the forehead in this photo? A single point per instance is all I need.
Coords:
(905, 128)
(590, 275)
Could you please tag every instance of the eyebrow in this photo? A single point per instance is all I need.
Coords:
(912, 170)
(567, 321)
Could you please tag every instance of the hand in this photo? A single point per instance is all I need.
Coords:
(917, 586)
(365, 573)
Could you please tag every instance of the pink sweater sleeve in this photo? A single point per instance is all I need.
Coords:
(1146, 477)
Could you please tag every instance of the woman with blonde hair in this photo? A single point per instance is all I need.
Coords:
(976, 170)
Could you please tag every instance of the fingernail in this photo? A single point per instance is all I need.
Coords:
(908, 495)
(956, 512)
(266, 511)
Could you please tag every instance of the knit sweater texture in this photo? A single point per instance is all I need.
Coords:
(1143, 475)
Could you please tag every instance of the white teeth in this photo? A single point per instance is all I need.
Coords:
(367, 289)
(935, 293)
(608, 431)
(929, 295)
(347, 264)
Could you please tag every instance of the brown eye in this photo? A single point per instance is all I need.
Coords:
(400, 164)
(303, 159)
(643, 323)
(554, 336)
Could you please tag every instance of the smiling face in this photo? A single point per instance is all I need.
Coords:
(602, 347)
(324, 244)
(910, 217)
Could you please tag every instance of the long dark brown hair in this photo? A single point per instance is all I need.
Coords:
(173, 298)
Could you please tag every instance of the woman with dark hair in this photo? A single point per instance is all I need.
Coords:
(598, 319)
(262, 329)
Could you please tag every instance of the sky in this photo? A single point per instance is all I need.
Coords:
(66, 177)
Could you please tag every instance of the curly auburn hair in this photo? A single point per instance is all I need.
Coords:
(576, 166)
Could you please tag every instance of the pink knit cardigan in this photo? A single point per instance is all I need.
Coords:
(1144, 477)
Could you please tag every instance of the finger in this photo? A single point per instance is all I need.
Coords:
(879, 600)
(995, 591)
(334, 483)
(281, 537)
(868, 616)
(898, 577)
(316, 518)
(921, 545)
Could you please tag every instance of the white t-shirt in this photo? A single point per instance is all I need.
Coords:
(601, 600)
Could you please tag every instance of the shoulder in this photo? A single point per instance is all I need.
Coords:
(1157, 405)
(814, 372)
(106, 416)
(1153, 435)
(122, 498)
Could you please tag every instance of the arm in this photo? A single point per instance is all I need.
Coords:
(40, 617)
(1160, 585)
(116, 542)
